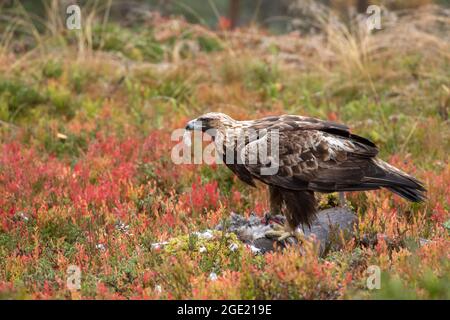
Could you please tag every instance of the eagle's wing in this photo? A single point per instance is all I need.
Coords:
(312, 155)
(293, 123)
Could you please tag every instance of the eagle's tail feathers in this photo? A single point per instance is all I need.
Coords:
(410, 194)
(398, 182)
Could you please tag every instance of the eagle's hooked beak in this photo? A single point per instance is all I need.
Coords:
(194, 125)
(191, 126)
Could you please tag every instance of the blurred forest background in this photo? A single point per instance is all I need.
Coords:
(274, 15)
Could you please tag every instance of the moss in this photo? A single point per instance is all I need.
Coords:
(214, 242)
(215, 250)
(327, 200)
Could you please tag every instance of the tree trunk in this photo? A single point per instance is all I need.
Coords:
(234, 13)
(362, 5)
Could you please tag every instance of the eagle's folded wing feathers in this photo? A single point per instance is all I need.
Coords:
(310, 159)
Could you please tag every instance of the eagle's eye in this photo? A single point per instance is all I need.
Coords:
(208, 120)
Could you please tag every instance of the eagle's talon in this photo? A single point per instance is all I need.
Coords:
(271, 218)
(279, 234)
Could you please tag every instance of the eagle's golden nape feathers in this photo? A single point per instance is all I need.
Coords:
(312, 156)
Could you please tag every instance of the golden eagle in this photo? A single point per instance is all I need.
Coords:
(312, 155)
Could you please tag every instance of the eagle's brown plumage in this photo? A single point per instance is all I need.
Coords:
(314, 156)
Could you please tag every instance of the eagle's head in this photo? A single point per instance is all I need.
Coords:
(211, 121)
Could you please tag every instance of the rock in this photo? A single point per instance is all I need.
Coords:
(329, 225)
(247, 230)
(326, 230)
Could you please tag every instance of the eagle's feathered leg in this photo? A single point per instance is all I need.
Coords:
(276, 202)
(280, 232)
(300, 208)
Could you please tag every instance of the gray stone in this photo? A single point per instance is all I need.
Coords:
(329, 227)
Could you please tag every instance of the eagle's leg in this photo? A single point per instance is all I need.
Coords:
(276, 201)
(280, 232)
(300, 208)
